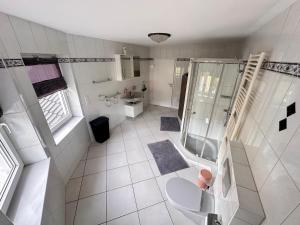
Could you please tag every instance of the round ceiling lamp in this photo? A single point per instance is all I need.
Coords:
(159, 37)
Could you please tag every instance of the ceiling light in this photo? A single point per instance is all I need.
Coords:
(159, 37)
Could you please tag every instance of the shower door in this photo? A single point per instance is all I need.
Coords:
(211, 89)
(204, 89)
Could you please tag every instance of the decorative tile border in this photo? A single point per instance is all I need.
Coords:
(2, 64)
(146, 59)
(79, 60)
(292, 69)
(183, 59)
(13, 62)
(19, 62)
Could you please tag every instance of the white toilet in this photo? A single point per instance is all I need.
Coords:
(190, 199)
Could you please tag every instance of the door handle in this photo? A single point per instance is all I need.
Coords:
(171, 85)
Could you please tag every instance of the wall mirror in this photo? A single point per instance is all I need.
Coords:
(127, 67)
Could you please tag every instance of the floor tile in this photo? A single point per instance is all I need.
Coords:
(140, 171)
(149, 154)
(129, 134)
(78, 172)
(91, 210)
(115, 147)
(97, 150)
(70, 212)
(157, 214)
(154, 168)
(144, 132)
(162, 181)
(136, 156)
(93, 184)
(72, 189)
(147, 193)
(116, 160)
(177, 217)
(120, 202)
(95, 165)
(118, 177)
(133, 145)
(130, 219)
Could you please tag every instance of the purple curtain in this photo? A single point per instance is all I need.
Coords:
(46, 79)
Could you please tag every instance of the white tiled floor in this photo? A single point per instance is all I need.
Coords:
(118, 182)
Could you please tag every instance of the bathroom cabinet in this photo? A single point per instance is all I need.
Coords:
(133, 109)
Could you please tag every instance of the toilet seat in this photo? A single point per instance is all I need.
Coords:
(183, 194)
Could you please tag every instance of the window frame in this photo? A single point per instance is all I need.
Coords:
(10, 186)
(66, 106)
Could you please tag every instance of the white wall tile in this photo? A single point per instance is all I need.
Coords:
(290, 158)
(40, 38)
(24, 35)
(279, 195)
(8, 37)
(293, 218)
(9, 98)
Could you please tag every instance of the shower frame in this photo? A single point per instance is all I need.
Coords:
(189, 97)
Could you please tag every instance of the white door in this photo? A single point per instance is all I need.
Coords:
(161, 82)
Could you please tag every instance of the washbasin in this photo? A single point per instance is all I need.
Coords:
(134, 97)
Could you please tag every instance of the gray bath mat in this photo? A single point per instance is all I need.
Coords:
(169, 124)
(167, 157)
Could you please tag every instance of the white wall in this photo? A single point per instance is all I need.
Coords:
(85, 73)
(274, 156)
(24, 136)
(20, 36)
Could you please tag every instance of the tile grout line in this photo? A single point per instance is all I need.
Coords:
(131, 182)
(106, 183)
(143, 146)
(79, 194)
(155, 178)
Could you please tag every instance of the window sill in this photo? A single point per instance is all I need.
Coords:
(63, 131)
(27, 204)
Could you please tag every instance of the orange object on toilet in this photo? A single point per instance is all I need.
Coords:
(204, 180)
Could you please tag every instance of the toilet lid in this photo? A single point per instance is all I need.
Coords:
(183, 194)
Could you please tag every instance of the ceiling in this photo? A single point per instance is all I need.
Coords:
(131, 20)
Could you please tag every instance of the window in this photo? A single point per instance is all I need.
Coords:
(49, 85)
(56, 109)
(10, 170)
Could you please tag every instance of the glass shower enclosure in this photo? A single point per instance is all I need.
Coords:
(211, 88)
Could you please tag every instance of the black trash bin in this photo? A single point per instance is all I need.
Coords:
(100, 128)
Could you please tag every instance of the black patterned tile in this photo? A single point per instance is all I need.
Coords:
(282, 124)
(146, 59)
(288, 68)
(13, 62)
(291, 109)
(183, 59)
(63, 60)
(1, 64)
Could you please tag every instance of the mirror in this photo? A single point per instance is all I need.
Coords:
(127, 67)
(136, 66)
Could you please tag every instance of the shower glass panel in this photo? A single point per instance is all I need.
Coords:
(211, 89)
